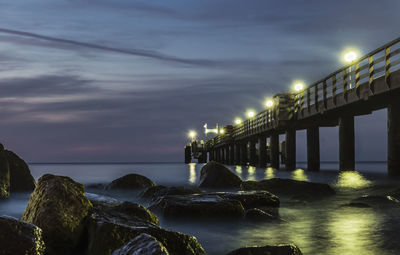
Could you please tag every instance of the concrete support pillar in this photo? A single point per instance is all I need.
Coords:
(231, 154)
(274, 143)
(313, 156)
(223, 155)
(290, 149)
(188, 154)
(218, 155)
(211, 155)
(243, 153)
(346, 143)
(393, 123)
(262, 143)
(237, 154)
(252, 152)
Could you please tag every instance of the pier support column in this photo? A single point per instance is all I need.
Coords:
(231, 154)
(218, 155)
(393, 123)
(346, 143)
(252, 151)
(290, 149)
(188, 154)
(237, 154)
(223, 149)
(274, 145)
(243, 153)
(262, 143)
(313, 156)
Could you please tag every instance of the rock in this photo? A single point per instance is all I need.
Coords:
(4, 174)
(283, 249)
(125, 212)
(256, 214)
(131, 182)
(374, 201)
(252, 199)
(300, 189)
(95, 186)
(111, 227)
(198, 206)
(150, 192)
(18, 237)
(21, 178)
(216, 175)
(143, 244)
(59, 207)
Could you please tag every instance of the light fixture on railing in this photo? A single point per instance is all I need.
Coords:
(269, 103)
(192, 134)
(250, 113)
(298, 86)
(222, 131)
(350, 56)
(238, 121)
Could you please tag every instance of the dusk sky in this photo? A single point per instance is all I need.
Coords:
(124, 81)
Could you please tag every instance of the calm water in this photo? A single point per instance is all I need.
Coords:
(322, 227)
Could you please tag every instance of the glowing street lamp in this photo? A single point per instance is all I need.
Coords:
(192, 134)
(350, 56)
(298, 86)
(238, 121)
(250, 113)
(269, 103)
(222, 131)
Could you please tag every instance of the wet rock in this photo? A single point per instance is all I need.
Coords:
(177, 191)
(198, 206)
(21, 178)
(18, 237)
(122, 211)
(216, 175)
(131, 182)
(283, 249)
(4, 174)
(59, 207)
(299, 189)
(256, 214)
(111, 227)
(374, 201)
(252, 199)
(150, 192)
(143, 244)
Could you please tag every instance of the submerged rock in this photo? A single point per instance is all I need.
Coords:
(143, 244)
(131, 182)
(283, 249)
(216, 175)
(21, 178)
(299, 189)
(4, 174)
(150, 192)
(374, 201)
(59, 207)
(252, 199)
(18, 237)
(198, 206)
(112, 226)
(256, 214)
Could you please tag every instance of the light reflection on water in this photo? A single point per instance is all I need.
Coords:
(321, 227)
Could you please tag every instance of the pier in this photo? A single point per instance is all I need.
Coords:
(367, 84)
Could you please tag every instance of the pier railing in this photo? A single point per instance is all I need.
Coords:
(380, 62)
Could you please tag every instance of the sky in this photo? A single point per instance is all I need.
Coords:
(124, 80)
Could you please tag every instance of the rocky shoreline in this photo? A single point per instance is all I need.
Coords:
(61, 218)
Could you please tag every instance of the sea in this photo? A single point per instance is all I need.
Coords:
(319, 227)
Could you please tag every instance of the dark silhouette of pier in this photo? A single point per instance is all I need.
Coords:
(369, 83)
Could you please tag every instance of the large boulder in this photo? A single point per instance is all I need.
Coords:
(21, 178)
(18, 237)
(4, 174)
(131, 182)
(59, 207)
(111, 225)
(374, 201)
(150, 192)
(216, 175)
(197, 206)
(283, 249)
(252, 199)
(143, 244)
(159, 191)
(302, 190)
(256, 214)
